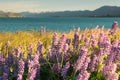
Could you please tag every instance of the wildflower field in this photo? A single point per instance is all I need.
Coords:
(92, 54)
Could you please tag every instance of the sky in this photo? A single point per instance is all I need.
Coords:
(53, 5)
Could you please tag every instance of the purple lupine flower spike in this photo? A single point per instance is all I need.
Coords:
(87, 42)
(68, 41)
(21, 66)
(114, 27)
(40, 48)
(83, 76)
(65, 69)
(5, 76)
(76, 40)
(62, 42)
(65, 48)
(81, 59)
(56, 68)
(55, 40)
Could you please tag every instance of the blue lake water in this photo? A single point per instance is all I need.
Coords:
(55, 24)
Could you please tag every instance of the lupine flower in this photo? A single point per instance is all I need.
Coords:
(94, 43)
(113, 76)
(76, 40)
(80, 61)
(10, 59)
(32, 74)
(38, 74)
(0, 78)
(92, 37)
(2, 58)
(21, 66)
(108, 69)
(68, 41)
(100, 55)
(33, 66)
(65, 69)
(6, 69)
(93, 64)
(54, 54)
(55, 40)
(83, 76)
(17, 52)
(65, 48)
(115, 43)
(87, 42)
(101, 39)
(40, 48)
(83, 37)
(85, 64)
(56, 68)
(62, 42)
(5, 76)
(114, 27)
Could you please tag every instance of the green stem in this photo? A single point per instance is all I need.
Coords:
(62, 59)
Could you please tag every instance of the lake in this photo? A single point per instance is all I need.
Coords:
(54, 24)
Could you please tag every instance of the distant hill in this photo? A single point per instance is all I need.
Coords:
(104, 11)
(8, 14)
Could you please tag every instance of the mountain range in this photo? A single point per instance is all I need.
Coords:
(10, 14)
(104, 11)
